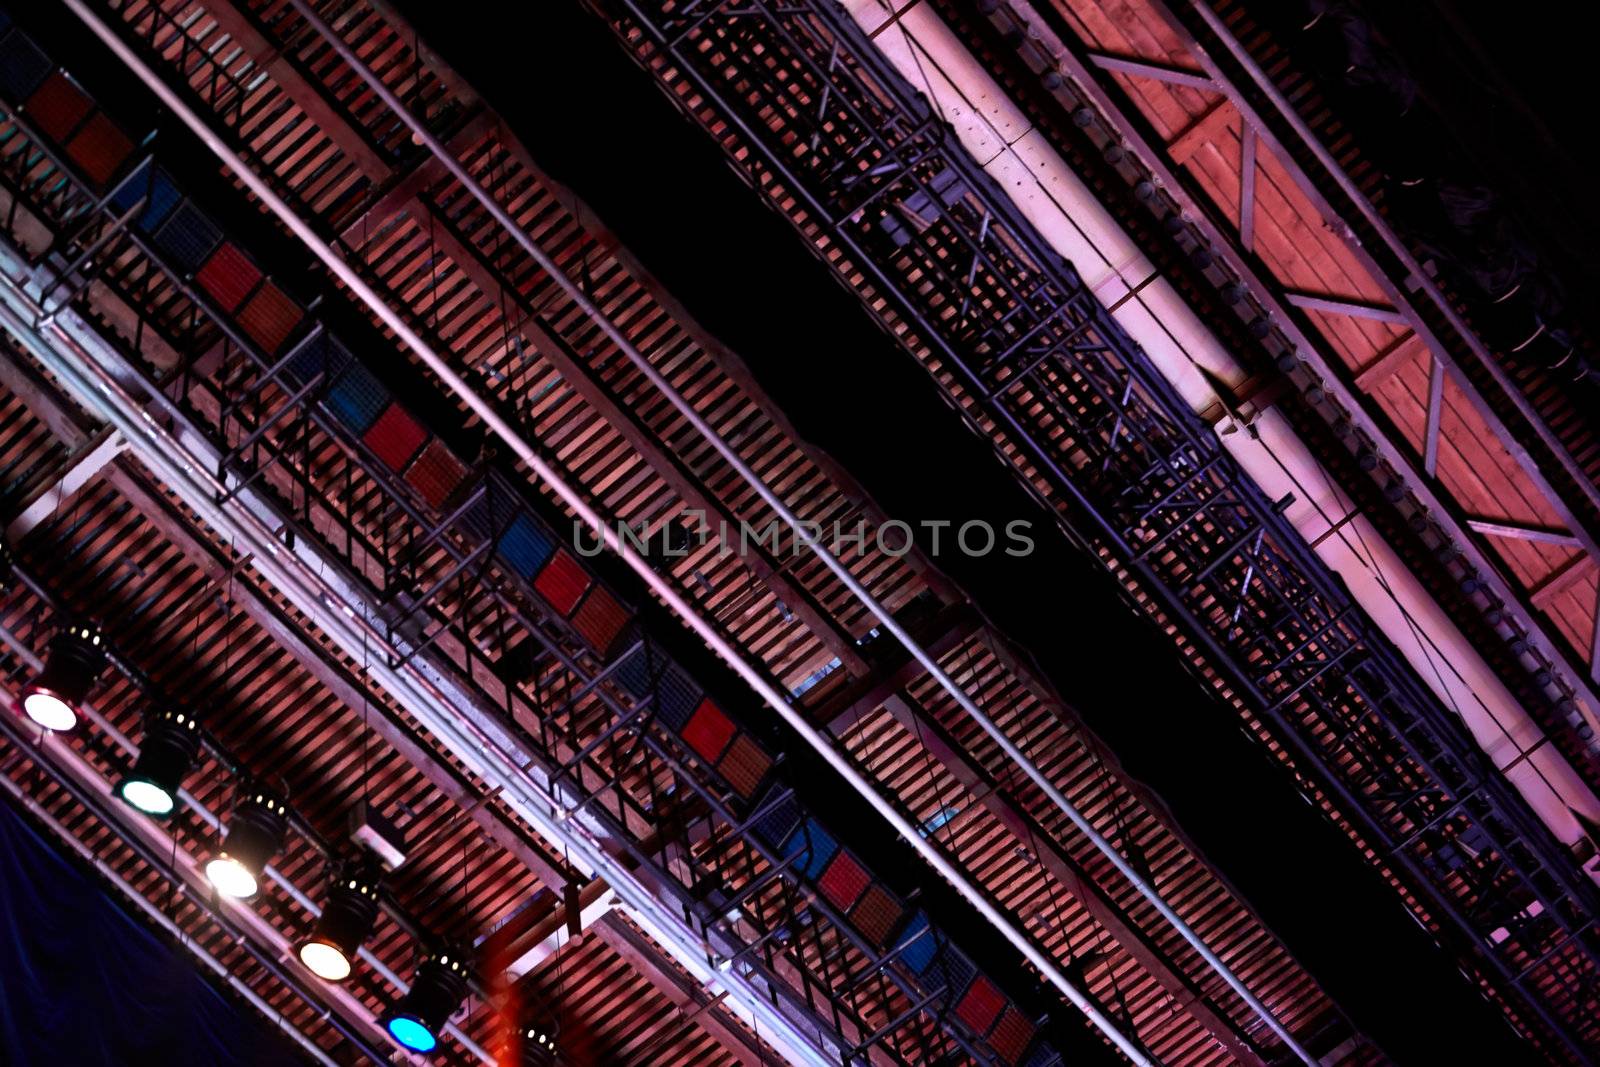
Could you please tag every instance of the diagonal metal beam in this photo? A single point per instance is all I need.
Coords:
(1247, 188)
(1430, 434)
(1524, 532)
(1351, 390)
(1416, 280)
(1149, 68)
(1339, 305)
(80, 469)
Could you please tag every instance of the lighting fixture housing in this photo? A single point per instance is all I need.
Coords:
(171, 743)
(538, 1045)
(255, 834)
(346, 921)
(77, 656)
(437, 990)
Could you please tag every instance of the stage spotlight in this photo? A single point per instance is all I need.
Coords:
(171, 742)
(437, 990)
(76, 658)
(538, 1046)
(254, 836)
(346, 921)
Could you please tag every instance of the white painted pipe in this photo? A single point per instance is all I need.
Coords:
(610, 537)
(1051, 196)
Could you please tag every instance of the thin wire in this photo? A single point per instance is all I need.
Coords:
(366, 733)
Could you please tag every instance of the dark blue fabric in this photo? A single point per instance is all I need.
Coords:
(83, 983)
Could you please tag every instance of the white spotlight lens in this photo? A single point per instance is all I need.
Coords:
(230, 878)
(325, 961)
(50, 711)
(147, 797)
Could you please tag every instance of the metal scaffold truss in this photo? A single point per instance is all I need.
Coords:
(817, 119)
(122, 284)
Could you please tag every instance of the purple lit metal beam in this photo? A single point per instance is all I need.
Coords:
(1161, 72)
(1334, 305)
(1545, 535)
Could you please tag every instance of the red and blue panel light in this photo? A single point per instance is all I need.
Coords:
(981, 1006)
(22, 66)
(844, 881)
(815, 844)
(187, 237)
(57, 106)
(745, 765)
(436, 474)
(395, 438)
(876, 914)
(1011, 1035)
(917, 944)
(600, 618)
(562, 582)
(356, 398)
(228, 276)
(99, 148)
(525, 546)
(708, 731)
(270, 317)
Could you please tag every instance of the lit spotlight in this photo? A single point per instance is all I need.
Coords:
(76, 658)
(346, 921)
(171, 742)
(254, 837)
(437, 990)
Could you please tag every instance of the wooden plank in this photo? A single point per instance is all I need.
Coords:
(1209, 127)
(1341, 305)
(1388, 362)
(1559, 582)
(403, 189)
(685, 994)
